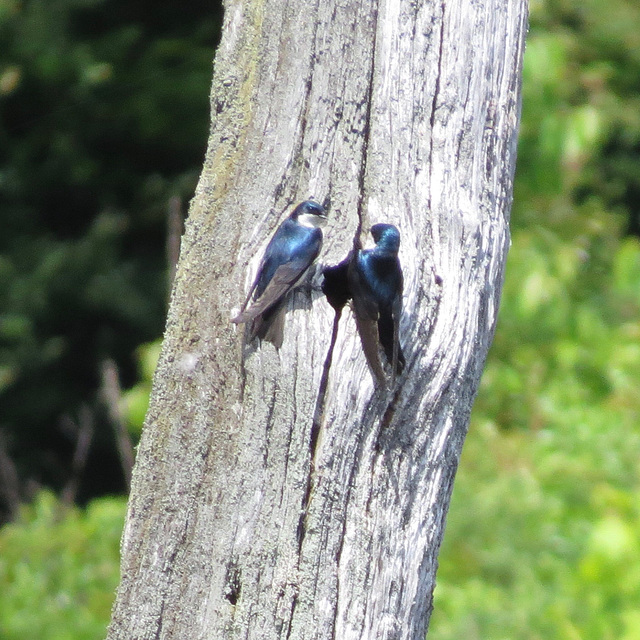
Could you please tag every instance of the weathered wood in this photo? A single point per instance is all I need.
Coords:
(275, 494)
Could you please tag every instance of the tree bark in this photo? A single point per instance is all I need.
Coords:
(280, 494)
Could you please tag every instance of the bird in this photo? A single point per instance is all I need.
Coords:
(291, 251)
(375, 283)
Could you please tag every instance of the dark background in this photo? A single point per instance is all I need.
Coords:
(104, 115)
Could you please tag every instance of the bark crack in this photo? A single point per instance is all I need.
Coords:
(160, 619)
(434, 102)
(315, 432)
(170, 563)
(294, 604)
(321, 398)
(293, 170)
(356, 245)
(366, 133)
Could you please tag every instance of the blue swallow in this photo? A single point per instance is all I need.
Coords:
(375, 282)
(292, 250)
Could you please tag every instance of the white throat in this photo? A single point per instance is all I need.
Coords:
(311, 220)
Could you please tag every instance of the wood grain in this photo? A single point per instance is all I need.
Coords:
(247, 519)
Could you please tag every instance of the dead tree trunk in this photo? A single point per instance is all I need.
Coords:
(278, 494)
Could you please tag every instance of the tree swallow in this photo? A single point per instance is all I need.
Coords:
(292, 250)
(375, 282)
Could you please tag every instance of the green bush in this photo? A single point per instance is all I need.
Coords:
(59, 568)
(543, 534)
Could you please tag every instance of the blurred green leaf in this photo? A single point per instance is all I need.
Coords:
(543, 534)
(59, 570)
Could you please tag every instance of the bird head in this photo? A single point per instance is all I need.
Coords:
(386, 236)
(310, 214)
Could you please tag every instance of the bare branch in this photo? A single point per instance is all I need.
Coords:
(112, 396)
(9, 482)
(83, 431)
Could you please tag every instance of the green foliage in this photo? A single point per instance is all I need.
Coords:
(580, 130)
(136, 399)
(104, 115)
(59, 570)
(543, 534)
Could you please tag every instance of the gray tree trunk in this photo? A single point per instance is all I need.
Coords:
(278, 494)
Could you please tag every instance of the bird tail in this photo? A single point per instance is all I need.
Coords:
(388, 334)
(268, 326)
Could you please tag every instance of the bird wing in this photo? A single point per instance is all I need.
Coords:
(364, 305)
(368, 331)
(396, 312)
(396, 347)
(284, 279)
(366, 314)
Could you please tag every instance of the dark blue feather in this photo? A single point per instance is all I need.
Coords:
(376, 284)
(291, 251)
